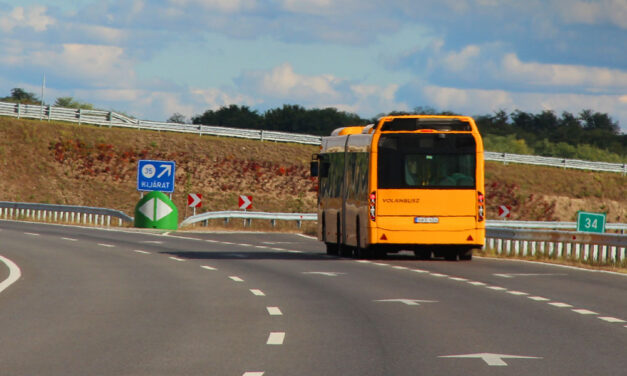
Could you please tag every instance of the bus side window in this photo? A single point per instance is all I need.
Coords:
(324, 168)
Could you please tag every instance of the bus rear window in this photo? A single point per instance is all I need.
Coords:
(414, 124)
(433, 160)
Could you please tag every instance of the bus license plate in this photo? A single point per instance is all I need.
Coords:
(426, 220)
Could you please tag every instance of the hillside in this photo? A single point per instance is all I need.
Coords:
(85, 165)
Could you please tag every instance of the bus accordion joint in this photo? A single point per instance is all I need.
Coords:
(373, 205)
(481, 206)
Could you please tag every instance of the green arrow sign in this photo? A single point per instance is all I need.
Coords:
(156, 210)
(591, 222)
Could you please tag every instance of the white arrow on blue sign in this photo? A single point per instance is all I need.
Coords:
(155, 176)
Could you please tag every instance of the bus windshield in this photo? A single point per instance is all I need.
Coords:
(426, 160)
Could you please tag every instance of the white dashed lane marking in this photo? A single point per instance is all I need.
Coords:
(70, 239)
(177, 259)
(257, 292)
(274, 311)
(612, 319)
(580, 311)
(276, 338)
(142, 252)
(539, 298)
(253, 374)
(236, 278)
(584, 312)
(31, 234)
(106, 245)
(207, 267)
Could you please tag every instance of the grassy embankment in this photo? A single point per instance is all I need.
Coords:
(64, 163)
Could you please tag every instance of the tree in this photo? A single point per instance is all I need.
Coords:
(177, 118)
(19, 95)
(231, 116)
(69, 102)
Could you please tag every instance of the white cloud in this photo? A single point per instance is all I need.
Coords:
(478, 102)
(283, 82)
(215, 98)
(227, 6)
(97, 65)
(562, 75)
(593, 12)
(34, 17)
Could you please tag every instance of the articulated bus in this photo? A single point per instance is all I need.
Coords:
(413, 182)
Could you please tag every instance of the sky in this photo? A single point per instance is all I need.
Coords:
(151, 59)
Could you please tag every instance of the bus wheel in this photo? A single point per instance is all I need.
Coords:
(331, 248)
(465, 255)
(423, 254)
(452, 255)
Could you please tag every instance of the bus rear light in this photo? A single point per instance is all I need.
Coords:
(372, 206)
(481, 206)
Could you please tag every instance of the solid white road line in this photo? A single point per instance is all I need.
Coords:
(257, 292)
(276, 338)
(274, 311)
(236, 278)
(14, 273)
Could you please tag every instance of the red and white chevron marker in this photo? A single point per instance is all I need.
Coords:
(504, 211)
(245, 202)
(194, 200)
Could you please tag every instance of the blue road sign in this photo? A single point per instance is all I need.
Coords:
(155, 176)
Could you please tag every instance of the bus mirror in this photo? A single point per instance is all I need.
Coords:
(313, 168)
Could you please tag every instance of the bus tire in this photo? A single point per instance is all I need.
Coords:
(331, 249)
(361, 252)
(465, 254)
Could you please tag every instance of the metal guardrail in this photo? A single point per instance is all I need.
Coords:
(249, 216)
(511, 238)
(112, 119)
(61, 213)
(597, 249)
(556, 162)
(492, 223)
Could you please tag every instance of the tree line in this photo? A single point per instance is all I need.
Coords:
(19, 95)
(588, 135)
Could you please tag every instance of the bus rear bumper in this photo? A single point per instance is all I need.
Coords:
(403, 239)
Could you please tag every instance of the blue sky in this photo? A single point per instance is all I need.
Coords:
(150, 59)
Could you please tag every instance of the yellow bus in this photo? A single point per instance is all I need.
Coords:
(412, 182)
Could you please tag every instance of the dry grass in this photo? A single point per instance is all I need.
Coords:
(84, 165)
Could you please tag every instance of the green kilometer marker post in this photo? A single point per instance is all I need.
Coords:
(591, 222)
(156, 210)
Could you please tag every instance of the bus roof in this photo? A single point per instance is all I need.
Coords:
(419, 122)
(348, 130)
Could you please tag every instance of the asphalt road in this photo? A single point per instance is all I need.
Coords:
(100, 302)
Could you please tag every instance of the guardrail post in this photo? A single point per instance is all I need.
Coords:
(19, 110)
(80, 116)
